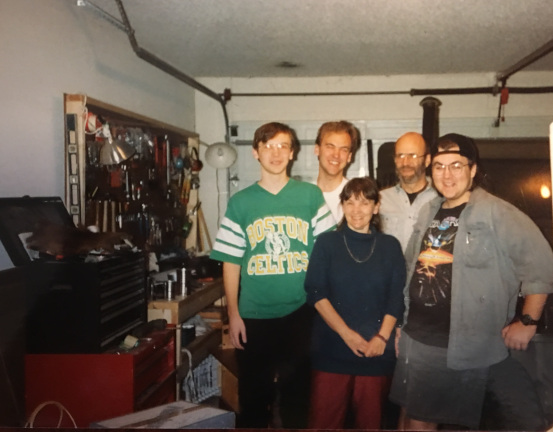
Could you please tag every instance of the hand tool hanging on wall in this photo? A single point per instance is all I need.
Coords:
(113, 215)
(185, 190)
(98, 204)
(203, 227)
(162, 160)
(157, 152)
(168, 164)
(196, 163)
(105, 216)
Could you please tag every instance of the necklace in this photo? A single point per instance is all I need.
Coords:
(357, 260)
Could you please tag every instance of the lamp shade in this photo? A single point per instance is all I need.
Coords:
(220, 155)
(114, 152)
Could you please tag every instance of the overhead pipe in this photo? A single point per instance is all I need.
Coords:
(154, 60)
(495, 90)
(102, 13)
(526, 61)
(455, 91)
(161, 64)
(229, 95)
(171, 70)
(530, 90)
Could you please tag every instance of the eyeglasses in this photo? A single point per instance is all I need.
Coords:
(408, 156)
(455, 168)
(276, 145)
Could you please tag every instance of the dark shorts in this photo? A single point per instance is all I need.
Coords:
(500, 397)
(431, 392)
(512, 402)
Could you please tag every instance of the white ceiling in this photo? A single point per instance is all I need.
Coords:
(250, 38)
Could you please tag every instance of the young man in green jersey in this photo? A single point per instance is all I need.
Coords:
(264, 241)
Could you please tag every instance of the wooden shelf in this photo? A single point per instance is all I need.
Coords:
(227, 357)
(180, 309)
(200, 348)
(229, 377)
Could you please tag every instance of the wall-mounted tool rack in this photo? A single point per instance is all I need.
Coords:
(152, 195)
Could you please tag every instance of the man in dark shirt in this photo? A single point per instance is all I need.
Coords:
(470, 255)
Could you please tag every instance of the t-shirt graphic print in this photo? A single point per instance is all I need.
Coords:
(430, 286)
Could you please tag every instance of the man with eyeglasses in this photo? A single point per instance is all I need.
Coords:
(400, 204)
(469, 257)
(335, 146)
(265, 241)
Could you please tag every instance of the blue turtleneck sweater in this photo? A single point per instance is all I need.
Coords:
(361, 293)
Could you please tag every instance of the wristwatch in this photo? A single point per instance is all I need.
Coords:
(527, 320)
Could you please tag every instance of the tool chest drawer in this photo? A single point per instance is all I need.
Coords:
(79, 307)
(95, 387)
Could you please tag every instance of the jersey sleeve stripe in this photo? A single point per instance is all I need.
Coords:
(228, 249)
(230, 237)
(323, 221)
(232, 226)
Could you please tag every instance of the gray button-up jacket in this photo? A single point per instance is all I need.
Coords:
(498, 252)
(398, 215)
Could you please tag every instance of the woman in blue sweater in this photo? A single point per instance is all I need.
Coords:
(355, 281)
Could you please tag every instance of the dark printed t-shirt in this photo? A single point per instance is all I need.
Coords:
(430, 286)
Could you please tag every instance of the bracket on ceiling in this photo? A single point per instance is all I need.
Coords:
(504, 75)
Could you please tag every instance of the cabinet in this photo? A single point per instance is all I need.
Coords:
(95, 387)
(84, 307)
(149, 191)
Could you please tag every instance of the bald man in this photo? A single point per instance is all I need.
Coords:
(400, 204)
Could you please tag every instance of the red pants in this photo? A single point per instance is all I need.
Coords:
(331, 395)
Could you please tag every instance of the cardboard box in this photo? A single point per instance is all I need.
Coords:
(176, 415)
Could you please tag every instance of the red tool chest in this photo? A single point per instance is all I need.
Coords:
(95, 387)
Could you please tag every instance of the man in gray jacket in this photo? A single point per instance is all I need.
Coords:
(470, 255)
(400, 204)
